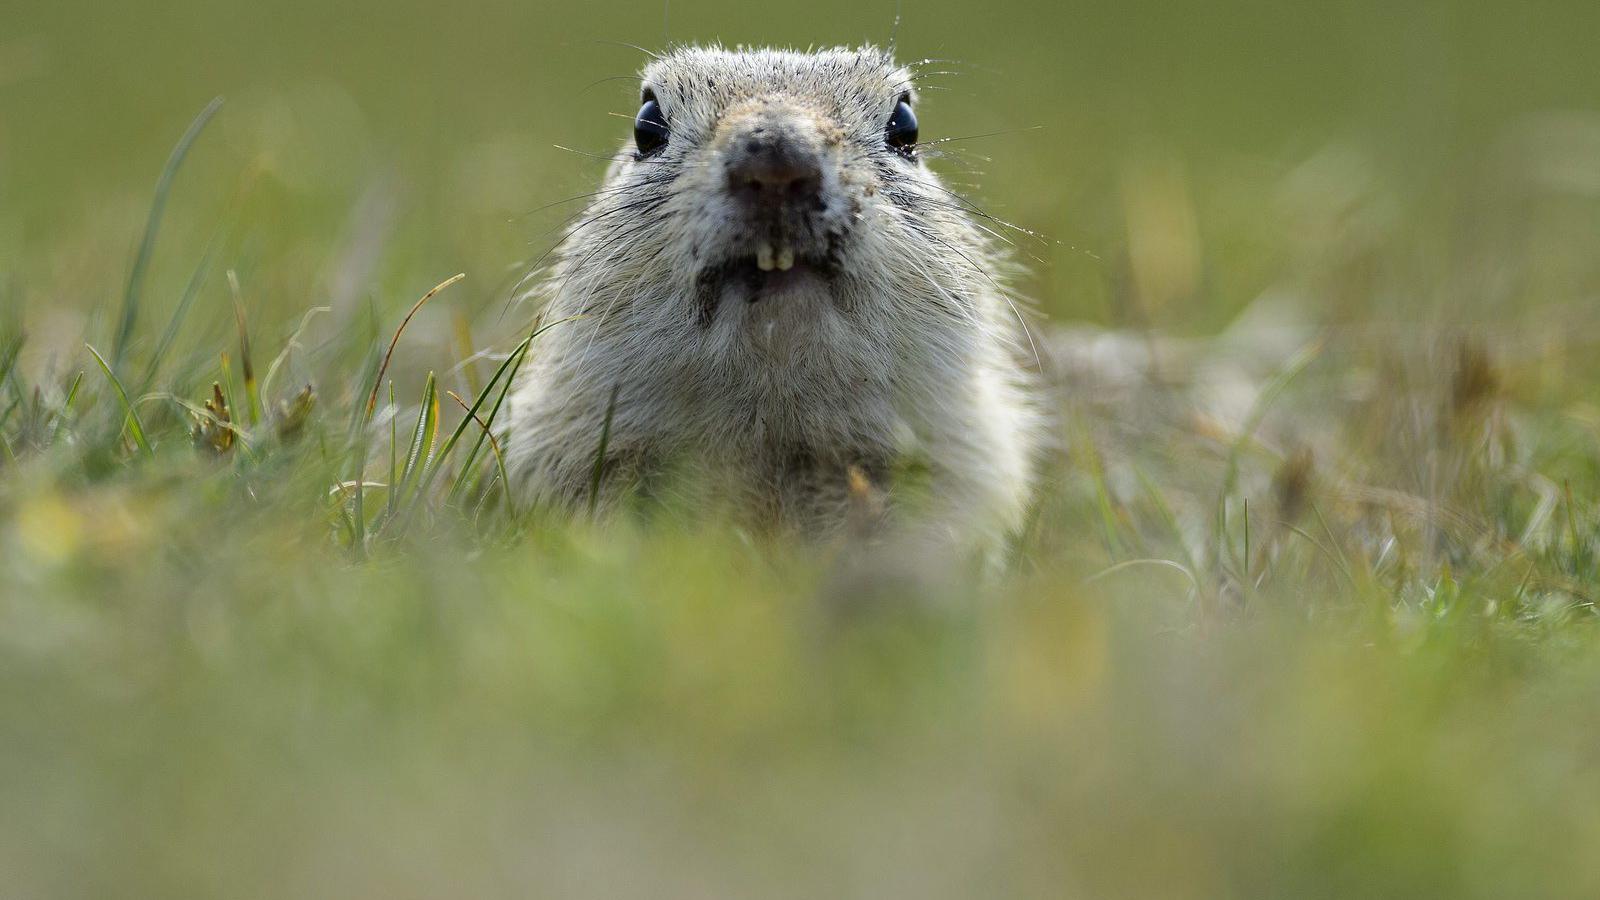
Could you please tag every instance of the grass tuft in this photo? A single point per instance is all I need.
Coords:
(131, 421)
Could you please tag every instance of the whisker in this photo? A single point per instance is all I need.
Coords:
(605, 80)
(973, 137)
(570, 220)
(974, 209)
(609, 157)
(645, 181)
(650, 53)
(537, 266)
(1001, 291)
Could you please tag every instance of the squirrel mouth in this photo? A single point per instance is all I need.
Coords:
(768, 259)
(773, 273)
(770, 273)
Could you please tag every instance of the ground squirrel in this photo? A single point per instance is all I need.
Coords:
(777, 298)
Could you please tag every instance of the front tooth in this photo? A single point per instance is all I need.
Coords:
(785, 259)
(764, 257)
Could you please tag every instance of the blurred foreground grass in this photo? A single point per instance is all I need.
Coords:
(1306, 610)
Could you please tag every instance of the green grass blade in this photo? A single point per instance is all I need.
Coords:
(494, 447)
(252, 394)
(508, 369)
(131, 421)
(11, 407)
(170, 334)
(372, 400)
(469, 477)
(8, 356)
(471, 415)
(147, 244)
(66, 408)
(358, 515)
(394, 451)
(359, 417)
(226, 378)
(423, 435)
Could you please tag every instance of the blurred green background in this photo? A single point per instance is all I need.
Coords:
(453, 111)
(1307, 609)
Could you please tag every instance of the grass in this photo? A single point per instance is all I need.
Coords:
(1305, 609)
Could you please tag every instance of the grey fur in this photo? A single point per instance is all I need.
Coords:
(914, 351)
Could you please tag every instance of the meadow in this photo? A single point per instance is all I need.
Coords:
(1306, 608)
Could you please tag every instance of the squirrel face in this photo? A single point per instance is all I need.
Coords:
(777, 176)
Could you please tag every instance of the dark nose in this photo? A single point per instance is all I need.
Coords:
(769, 167)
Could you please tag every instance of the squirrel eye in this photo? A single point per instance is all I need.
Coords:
(650, 127)
(901, 132)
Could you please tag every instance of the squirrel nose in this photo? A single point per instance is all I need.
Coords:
(770, 168)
